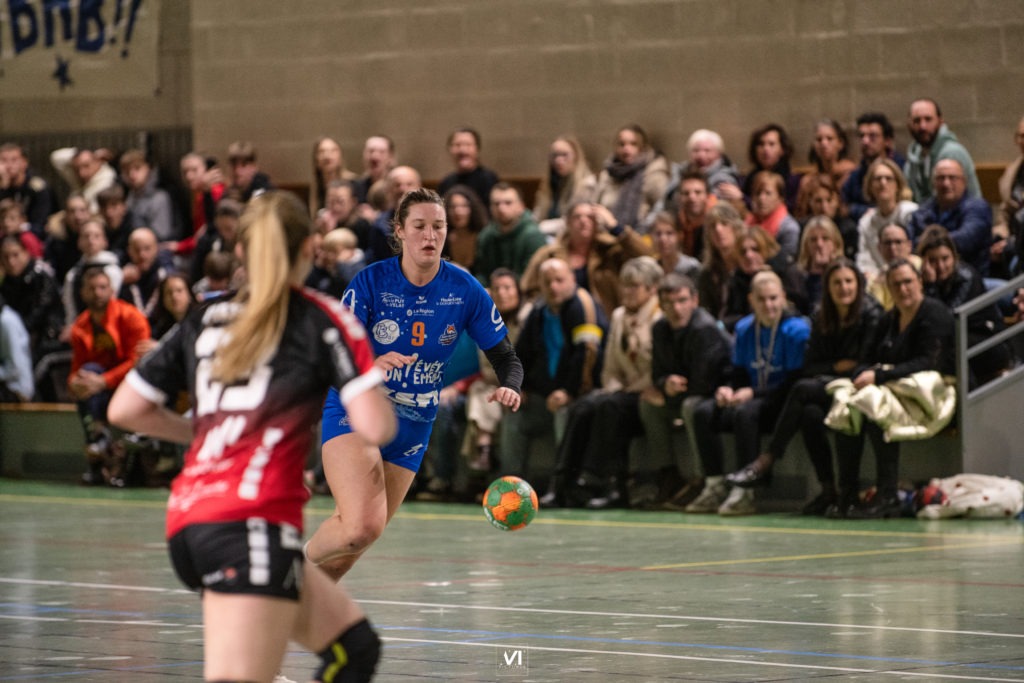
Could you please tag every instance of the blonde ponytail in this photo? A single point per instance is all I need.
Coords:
(273, 229)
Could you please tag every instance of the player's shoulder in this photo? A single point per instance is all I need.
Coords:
(321, 310)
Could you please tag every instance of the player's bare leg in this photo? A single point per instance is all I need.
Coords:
(367, 493)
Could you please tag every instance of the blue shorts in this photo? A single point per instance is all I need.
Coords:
(405, 450)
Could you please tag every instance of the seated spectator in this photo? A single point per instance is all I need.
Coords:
(92, 243)
(758, 252)
(17, 383)
(689, 356)
(61, 246)
(342, 211)
(219, 271)
(221, 236)
(144, 272)
(596, 247)
(954, 283)
(349, 259)
(175, 301)
(820, 244)
(467, 217)
(86, 171)
(933, 143)
(633, 178)
(916, 335)
(825, 203)
(149, 205)
(689, 206)
(707, 156)
(722, 229)
(378, 159)
(592, 462)
(968, 219)
(464, 148)
(665, 239)
(877, 141)
(568, 179)
(13, 222)
(400, 179)
(30, 289)
(893, 244)
(512, 236)
(118, 222)
(328, 167)
(483, 417)
(204, 182)
(886, 190)
(829, 155)
(103, 349)
(768, 209)
(560, 347)
(770, 149)
(325, 276)
(247, 180)
(766, 360)
(842, 335)
(1009, 227)
(18, 182)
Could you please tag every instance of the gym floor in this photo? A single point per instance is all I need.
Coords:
(87, 594)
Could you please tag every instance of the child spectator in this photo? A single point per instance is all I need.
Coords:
(14, 222)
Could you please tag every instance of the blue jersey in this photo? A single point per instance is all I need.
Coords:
(425, 321)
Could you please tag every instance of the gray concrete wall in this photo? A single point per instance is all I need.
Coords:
(282, 73)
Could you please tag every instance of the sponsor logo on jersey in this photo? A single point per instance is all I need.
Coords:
(413, 450)
(392, 300)
(449, 335)
(386, 332)
(420, 300)
(496, 319)
(450, 300)
(424, 312)
(422, 372)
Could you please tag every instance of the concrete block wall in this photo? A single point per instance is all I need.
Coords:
(522, 72)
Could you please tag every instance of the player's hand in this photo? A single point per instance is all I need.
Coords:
(506, 397)
(394, 359)
(723, 396)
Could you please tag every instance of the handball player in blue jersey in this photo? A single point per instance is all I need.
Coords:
(414, 306)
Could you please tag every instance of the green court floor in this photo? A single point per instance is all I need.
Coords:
(87, 594)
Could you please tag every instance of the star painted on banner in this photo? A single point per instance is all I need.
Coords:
(61, 73)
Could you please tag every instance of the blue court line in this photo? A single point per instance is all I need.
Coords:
(484, 636)
(22, 608)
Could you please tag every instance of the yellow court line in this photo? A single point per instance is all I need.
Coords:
(105, 502)
(828, 556)
(428, 516)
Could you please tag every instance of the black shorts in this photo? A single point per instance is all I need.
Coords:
(250, 557)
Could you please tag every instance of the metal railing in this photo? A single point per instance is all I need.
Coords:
(991, 415)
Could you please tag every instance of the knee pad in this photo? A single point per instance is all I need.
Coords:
(352, 657)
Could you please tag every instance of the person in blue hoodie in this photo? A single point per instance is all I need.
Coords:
(766, 359)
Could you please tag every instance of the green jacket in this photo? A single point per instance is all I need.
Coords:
(921, 163)
(512, 250)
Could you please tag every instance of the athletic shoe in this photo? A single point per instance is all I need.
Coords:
(281, 678)
(739, 502)
(710, 499)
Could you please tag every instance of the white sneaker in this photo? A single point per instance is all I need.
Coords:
(739, 502)
(710, 499)
(281, 678)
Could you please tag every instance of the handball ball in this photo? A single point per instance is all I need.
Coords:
(510, 503)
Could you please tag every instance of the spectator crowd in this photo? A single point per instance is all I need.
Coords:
(645, 296)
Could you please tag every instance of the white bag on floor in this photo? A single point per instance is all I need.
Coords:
(976, 496)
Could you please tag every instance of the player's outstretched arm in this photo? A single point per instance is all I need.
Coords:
(130, 410)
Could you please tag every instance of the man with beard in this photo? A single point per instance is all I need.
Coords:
(933, 142)
(876, 135)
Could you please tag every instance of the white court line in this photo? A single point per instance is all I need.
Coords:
(680, 617)
(535, 610)
(719, 660)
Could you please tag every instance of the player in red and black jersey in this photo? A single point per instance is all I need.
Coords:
(258, 365)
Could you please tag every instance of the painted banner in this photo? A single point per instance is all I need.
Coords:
(78, 48)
